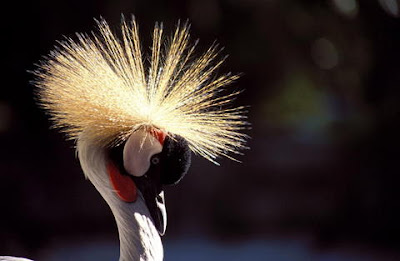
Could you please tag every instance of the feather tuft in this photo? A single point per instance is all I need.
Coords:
(98, 85)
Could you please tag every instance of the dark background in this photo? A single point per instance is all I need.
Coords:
(322, 79)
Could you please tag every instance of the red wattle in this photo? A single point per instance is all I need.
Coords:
(123, 185)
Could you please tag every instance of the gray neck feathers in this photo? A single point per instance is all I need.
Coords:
(139, 239)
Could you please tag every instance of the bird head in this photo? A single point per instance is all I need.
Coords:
(146, 162)
(146, 120)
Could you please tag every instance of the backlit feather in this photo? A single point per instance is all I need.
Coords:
(98, 84)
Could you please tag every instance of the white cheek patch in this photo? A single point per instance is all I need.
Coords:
(138, 150)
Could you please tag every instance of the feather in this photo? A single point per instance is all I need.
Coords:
(98, 84)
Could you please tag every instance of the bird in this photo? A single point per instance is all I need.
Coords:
(136, 121)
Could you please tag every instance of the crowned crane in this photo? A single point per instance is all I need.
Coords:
(135, 130)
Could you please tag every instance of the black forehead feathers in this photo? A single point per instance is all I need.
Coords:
(176, 159)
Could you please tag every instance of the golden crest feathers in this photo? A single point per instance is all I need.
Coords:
(98, 84)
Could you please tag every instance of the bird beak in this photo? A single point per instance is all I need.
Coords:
(154, 197)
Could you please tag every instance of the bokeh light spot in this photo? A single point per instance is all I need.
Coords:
(346, 7)
(390, 6)
(324, 53)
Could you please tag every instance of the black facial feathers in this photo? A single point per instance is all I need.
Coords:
(175, 160)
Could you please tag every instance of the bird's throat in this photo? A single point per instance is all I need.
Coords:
(124, 186)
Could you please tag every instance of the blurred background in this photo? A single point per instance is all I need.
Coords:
(319, 182)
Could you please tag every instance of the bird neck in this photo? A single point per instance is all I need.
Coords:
(139, 239)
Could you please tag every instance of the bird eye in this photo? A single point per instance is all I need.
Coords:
(155, 160)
